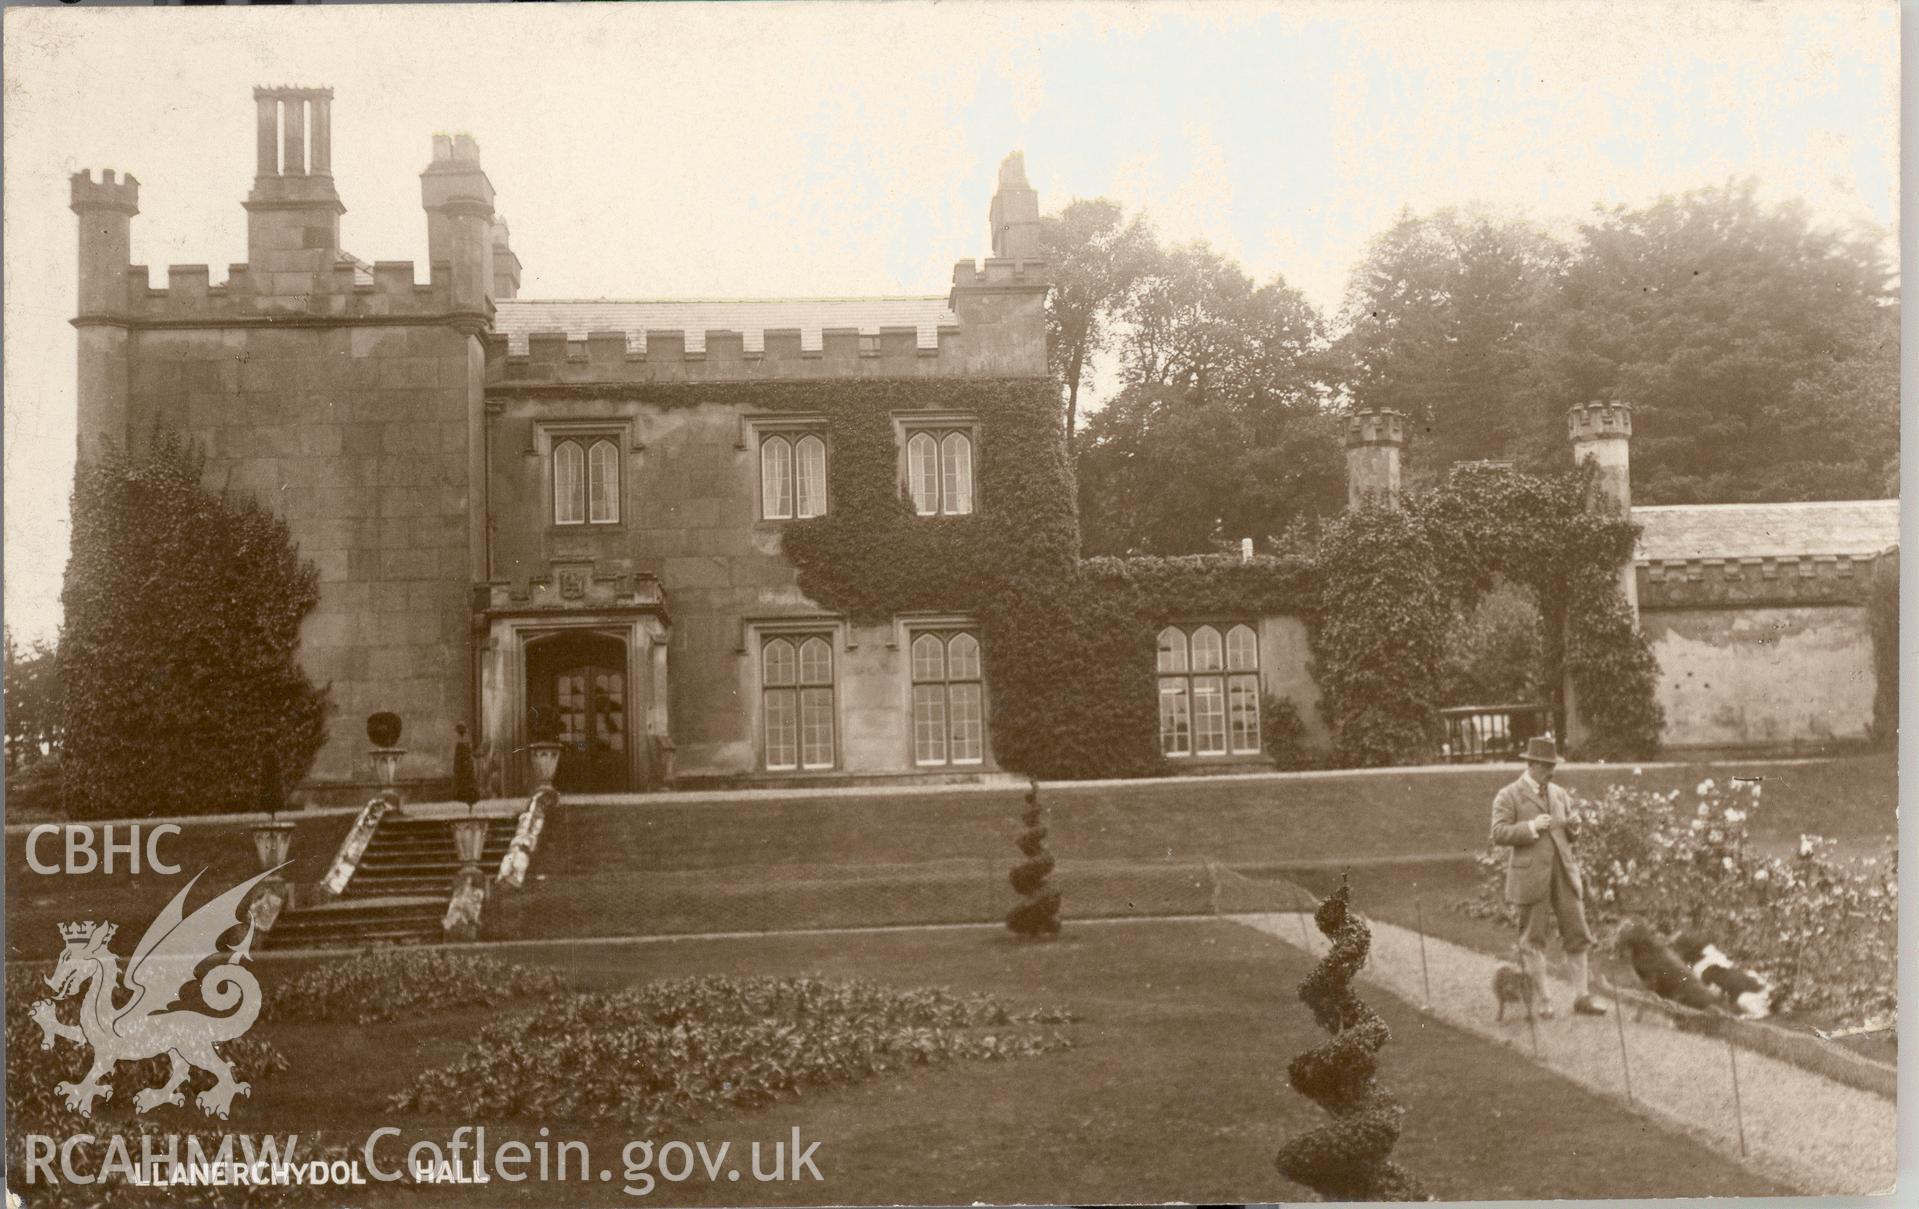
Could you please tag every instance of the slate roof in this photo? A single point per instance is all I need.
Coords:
(1859, 528)
(695, 316)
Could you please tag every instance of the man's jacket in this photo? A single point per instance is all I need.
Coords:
(1529, 861)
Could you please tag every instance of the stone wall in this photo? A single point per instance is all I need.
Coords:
(1777, 676)
(359, 436)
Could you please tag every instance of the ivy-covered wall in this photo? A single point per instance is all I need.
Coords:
(1068, 644)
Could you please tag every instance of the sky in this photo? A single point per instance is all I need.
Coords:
(769, 150)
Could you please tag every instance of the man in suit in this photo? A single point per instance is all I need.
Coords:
(1532, 818)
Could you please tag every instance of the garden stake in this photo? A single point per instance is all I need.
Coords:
(1533, 1028)
(1738, 1112)
(1619, 1018)
(1425, 979)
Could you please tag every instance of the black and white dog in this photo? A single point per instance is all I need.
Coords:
(1746, 993)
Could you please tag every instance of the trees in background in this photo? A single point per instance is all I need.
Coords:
(1760, 353)
(180, 654)
(1221, 428)
(33, 701)
(1442, 321)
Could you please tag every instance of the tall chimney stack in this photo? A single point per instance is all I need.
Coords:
(293, 213)
(1014, 215)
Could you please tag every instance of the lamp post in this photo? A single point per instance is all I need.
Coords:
(272, 840)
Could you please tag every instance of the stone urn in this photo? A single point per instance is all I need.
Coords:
(546, 762)
(383, 731)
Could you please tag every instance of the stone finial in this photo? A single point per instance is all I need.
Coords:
(1014, 215)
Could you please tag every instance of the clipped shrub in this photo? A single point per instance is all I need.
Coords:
(1345, 1159)
(383, 729)
(180, 657)
(389, 985)
(683, 1050)
(1038, 911)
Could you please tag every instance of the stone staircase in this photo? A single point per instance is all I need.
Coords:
(398, 894)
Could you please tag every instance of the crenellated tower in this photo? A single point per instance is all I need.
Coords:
(105, 209)
(1001, 303)
(345, 395)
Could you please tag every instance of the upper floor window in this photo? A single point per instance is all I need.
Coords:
(796, 707)
(939, 471)
(586, 481)
(792, 476)
(1208, 691)
(949, 718)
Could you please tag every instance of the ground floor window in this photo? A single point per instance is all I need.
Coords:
(949, 716)
(796, 674)
(1208, 691)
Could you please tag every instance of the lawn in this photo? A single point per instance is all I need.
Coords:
(1174, 1089)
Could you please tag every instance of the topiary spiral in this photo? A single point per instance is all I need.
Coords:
(1345, 1159)
(1038, 911)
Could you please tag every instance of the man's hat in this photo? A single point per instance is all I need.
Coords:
(1541, 750)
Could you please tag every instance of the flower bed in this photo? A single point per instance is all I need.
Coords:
(680, 1050)
(388, 985)
(1823, 930)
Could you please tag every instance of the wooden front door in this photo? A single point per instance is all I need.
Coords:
(582, 679)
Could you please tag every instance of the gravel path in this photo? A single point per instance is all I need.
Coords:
(1802, 1129)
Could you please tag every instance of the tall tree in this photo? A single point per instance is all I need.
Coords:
(1759, 351)
(180, 654)
(1094, 257)
(1442, 315)
(1221, 429)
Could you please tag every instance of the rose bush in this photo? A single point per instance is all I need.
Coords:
(1822, 929)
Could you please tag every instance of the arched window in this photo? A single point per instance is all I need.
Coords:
(796, 678)
(949, 715)
(1175, 694)
(1242, 690)
(923, 473)
(816, 703)
(956, 474)
(603, 483)
(1203, 712)
(776, 478)
(809, 478)
(939, 471)
(779, 672)
(569, 484)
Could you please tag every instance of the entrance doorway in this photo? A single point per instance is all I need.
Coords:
(581, 679)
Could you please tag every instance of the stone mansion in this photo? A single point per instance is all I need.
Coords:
(508, 522)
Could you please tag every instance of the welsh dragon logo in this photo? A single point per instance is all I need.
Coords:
(147, 1024)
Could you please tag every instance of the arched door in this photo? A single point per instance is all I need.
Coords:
(581, 678)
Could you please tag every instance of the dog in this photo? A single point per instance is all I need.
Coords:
(1660, 970)
(1511, 984)
(1745, 992)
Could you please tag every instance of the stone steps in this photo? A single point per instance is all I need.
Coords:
(399, 892)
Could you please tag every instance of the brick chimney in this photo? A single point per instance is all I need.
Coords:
(293, 212)
(1373, 441)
